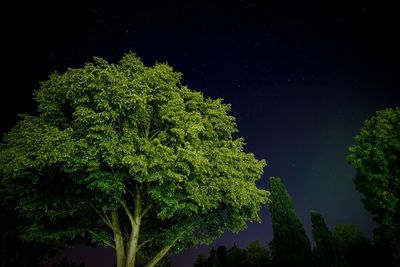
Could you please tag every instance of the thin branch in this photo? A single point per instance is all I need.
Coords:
(130, 192)
(106, 220)
(103, 217)
(142, 244)
(148, 128)
(182, 233)
(141, 129)
(128, 212)
(154, 134)
(108, 243)
(115, 223)
(145, 211)
(105, 241)
(126, 233)
(137, 201)
(166, 248)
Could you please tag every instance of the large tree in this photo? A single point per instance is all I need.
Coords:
(125, 156)
(291, 244)
(376, 158)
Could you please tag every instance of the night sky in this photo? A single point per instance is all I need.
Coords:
(301, 79)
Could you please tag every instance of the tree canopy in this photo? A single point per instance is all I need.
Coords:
(376, 158)
(124, 155)
(347, 236)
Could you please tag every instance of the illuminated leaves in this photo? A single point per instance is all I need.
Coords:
(376, 158)
(104, 129)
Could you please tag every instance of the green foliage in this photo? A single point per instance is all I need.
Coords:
(357, 250)
(376, 158)
(234, 256)
(326, 251)
(255, 255)
(347, 236)
(14, 251)
(106, 133)
(291, 244)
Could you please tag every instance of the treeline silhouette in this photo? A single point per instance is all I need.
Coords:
(254, 255)
(345, 246)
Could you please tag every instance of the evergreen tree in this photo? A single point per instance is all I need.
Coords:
(291, 244)
(234, 256)
(326, 252)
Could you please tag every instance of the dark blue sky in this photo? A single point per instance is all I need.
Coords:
(301, 79)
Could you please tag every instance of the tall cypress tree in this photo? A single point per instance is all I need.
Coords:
(326, 252)
(292, 247)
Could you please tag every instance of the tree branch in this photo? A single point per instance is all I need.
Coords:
(112, 169)
(145, 211)
(138, 202)
(108, 243)
(106, 220)
(160, 254)
(142, 244)
(148, 128)
(105, 241)
(130, 192)
(128, 212)
(154, 134)
(166, 248)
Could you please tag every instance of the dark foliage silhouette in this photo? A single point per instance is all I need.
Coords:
(291, 244)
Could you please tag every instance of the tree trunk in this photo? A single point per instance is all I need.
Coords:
(132, 247)
(135, 219)
(119, 240)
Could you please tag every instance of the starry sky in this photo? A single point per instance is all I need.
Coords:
(301, 76)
